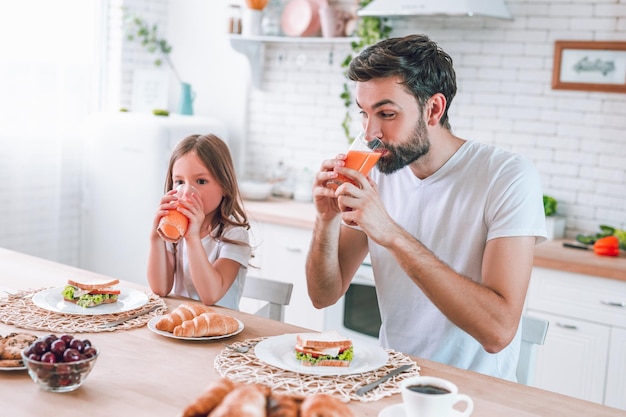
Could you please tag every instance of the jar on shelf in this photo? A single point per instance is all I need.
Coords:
(234, 19)
(270, 25)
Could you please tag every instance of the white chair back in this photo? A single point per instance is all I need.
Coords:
(277, 295)
(534, 332)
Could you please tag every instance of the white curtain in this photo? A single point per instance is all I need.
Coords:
(49, 58)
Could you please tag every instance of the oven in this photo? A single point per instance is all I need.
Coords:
(356, 314)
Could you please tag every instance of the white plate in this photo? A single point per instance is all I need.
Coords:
(397, 410)
(52, 299)
(279, 351)
(13, 368)
(153, 321)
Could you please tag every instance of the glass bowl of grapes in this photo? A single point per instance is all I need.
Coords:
(59, 363)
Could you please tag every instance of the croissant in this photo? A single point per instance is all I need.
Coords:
(283, 406)
(209, 399)
(243, 401)
(323, 405)
(207, 324)
(185, 311)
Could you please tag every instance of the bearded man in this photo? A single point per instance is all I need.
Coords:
(450, 224)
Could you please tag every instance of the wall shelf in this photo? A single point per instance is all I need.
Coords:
(253, 47)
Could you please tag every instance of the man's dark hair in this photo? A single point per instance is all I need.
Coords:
(424, 68)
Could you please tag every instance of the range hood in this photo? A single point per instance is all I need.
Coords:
(486, 8)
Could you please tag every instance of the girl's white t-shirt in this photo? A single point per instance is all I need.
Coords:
(183, 285)
(481, 193)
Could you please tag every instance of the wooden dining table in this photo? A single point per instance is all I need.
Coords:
(142, 373)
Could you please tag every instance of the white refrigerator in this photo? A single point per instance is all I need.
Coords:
(125, 163)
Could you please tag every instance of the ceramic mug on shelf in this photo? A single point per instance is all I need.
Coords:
(432, 397)
(331, 21)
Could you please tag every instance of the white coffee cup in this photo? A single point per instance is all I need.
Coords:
(428, 396)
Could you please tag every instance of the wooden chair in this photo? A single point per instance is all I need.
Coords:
(534, 332)
(276, 294)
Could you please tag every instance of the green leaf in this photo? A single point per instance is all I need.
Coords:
(607, 230)
(549, 205)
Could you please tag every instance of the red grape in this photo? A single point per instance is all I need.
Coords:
(89, 352)
(77, 344)
(64, 348)
(71, 355)
(49, 357)
(58, 347)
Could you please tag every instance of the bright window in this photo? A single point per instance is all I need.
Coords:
(49, 83)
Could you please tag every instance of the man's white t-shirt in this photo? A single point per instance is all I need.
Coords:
(183, 285)
(480, 193)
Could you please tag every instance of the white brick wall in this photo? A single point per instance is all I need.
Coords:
(576, 139)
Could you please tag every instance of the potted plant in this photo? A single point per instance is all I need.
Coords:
(555, 224)
(148, 35)
(369, 30)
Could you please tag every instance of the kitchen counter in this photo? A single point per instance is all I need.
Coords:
(142, 373)
(285, 212)
(550, 254)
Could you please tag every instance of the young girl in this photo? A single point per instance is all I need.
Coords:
(210, 262)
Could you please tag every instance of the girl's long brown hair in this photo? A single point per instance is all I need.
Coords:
(216, 157)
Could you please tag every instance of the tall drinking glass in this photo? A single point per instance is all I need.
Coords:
(362, 156)
(173, 226)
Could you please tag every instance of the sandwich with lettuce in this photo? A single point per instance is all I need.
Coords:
(91, 293)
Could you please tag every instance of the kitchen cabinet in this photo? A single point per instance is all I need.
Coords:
(585, 348)
(253, 47)
(573, 358)
(280, 254)
(616, 372)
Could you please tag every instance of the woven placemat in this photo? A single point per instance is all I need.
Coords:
(246, 367)
(19, 310)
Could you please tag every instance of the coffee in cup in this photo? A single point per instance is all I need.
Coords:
(432, 397)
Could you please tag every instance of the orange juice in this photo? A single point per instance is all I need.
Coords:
(362, 161)
(173, 226)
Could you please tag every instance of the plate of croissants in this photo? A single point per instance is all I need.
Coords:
(225, 398)
(191, 321)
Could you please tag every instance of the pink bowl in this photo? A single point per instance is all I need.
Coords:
(301, 18)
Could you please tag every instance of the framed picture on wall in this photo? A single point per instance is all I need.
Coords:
(589, 66)
(150, 90)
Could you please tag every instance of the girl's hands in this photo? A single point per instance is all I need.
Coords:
(191, 206)
(168, 202)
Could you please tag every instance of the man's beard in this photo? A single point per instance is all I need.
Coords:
(400, 156)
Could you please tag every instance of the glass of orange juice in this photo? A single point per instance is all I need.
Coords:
(362, 156)
(173, 226)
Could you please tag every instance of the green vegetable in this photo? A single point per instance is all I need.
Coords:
(549, 205)
(68, 292)
(607, 230)
(346, 355)
(604, 232)
(621, 236)
(586, 239)
(160, 112)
